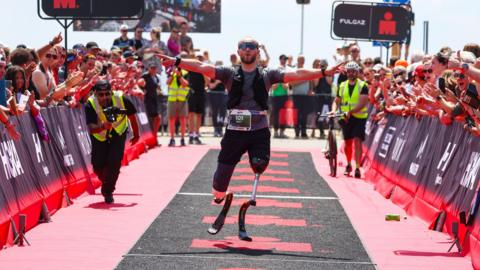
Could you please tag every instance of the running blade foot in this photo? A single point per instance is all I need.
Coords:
(218, 224)
(244, 237)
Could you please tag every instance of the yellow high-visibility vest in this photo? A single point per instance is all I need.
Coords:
(349, 102)
(120, 125)
(177, 92)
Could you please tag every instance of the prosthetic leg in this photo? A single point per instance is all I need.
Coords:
(258, 166)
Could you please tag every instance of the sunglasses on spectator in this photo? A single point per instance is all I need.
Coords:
(428, 70)
(368, 63)
(459, 75)
(354, 51)
(51, 56)
(248, 45)
(104, 94)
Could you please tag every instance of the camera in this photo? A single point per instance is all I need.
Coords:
(112, 113)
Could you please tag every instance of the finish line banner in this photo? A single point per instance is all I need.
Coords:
(38, 177)
(429, 169)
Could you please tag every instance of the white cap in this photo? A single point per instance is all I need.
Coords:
(123, 27)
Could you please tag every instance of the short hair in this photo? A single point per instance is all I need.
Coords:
(20, 57)
(472, 47)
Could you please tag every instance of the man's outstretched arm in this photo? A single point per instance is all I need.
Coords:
(304, 74)
(190, 65)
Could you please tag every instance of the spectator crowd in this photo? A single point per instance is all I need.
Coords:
(442, 85)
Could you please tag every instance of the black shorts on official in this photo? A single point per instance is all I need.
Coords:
(236, 143)
(151, 108)
(196, 104)
(353, 128)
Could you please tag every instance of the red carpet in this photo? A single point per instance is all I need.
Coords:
(407, 244)
(91, 235)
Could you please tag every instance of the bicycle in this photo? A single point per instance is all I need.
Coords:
(331, 147)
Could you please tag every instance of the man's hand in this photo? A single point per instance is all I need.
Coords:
(134, 140)
(455, 61)
(331, 71)
(30, 69)
(57, 39)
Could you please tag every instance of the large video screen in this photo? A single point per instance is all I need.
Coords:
(203, 16)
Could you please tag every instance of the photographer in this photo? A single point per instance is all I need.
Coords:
(106, 114)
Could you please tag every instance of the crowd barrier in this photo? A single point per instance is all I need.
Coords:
(431, 170)
(38, 177)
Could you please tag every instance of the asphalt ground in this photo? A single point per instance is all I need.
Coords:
(298, 223)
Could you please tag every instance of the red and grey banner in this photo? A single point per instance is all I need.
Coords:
(429, 169)
(37, 176)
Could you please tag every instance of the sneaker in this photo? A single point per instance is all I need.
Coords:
(171, 143)
(109, 199)
(348, 169)
(275, 134)
(197, 141)
(182, 142)
(190, 140)
(357, 173)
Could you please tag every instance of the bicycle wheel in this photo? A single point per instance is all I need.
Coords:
(332, 148)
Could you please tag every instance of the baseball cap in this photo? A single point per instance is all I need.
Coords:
(123, 27)
(402, 63)
(102, 85)
(127, 54)
(92, 45)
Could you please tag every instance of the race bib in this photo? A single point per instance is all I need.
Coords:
(240, 120)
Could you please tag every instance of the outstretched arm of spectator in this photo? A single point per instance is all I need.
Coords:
(56, 40)
(455, 62)
(309, 74)
(190, 65)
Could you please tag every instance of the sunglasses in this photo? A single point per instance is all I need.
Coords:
(51, 56)
(355, 51)
(368, 63)
(459, 75)
(104, 94)
(428, 71)
(248, 45)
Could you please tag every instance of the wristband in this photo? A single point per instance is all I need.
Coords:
(465, 66)
(178, 60)
(51, 43)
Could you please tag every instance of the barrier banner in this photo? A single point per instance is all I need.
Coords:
(427, 168)
(43, 164)
(35, 174)
(68, 156)
(21, 191)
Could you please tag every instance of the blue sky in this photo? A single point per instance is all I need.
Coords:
(275, 23)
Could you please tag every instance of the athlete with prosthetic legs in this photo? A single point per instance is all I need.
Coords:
(247, 129)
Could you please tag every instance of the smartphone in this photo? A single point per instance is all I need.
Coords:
(8, 84)
(441, 84)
